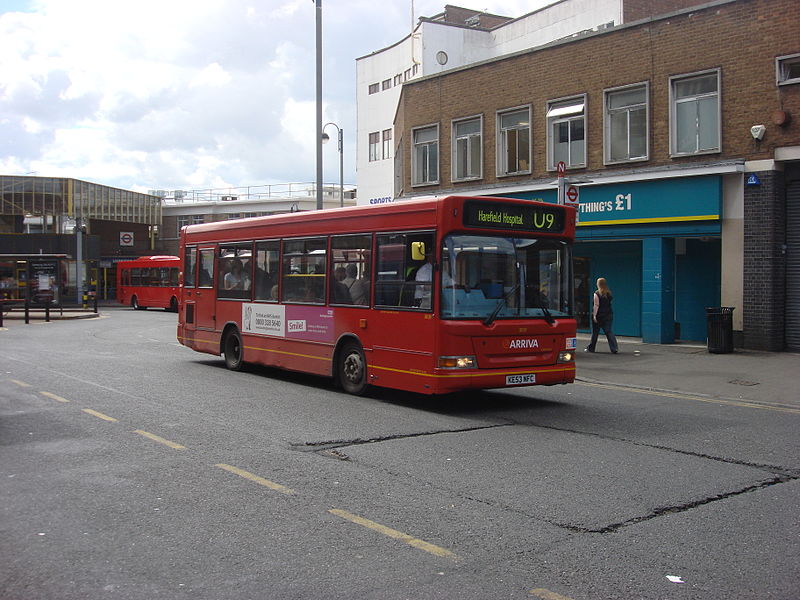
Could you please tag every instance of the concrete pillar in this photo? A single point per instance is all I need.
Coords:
(658, 290)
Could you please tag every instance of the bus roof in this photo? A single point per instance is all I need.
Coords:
(414, 213)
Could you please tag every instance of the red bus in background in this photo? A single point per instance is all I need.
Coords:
(430, 296)
(149, 281)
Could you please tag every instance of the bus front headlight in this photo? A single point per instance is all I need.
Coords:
(457, 362)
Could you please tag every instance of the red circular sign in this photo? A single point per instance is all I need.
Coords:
(126, 238)
(572, 193)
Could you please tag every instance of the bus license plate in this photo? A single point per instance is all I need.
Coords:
(520, 379)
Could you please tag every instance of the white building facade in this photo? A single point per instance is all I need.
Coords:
(454, 38)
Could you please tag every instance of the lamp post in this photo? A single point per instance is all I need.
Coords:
(324, 138)
(318, 4)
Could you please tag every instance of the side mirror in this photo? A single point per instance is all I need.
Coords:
(418, 250)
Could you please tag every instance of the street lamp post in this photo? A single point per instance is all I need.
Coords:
(319, 102)
(325, 137)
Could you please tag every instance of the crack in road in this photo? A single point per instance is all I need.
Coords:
(779, 474)
(328, 445)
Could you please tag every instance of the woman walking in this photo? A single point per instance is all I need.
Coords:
(602, 317)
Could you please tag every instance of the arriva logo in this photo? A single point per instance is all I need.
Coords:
(516, 344)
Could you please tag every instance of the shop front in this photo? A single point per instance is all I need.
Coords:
(658, 244)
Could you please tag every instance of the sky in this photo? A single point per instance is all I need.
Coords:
(189, 94)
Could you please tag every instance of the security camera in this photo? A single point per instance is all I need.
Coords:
(758, 131)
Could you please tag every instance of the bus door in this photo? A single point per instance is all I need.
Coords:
(205, 297)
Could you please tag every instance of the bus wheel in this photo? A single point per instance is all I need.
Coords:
(233, 351)
(173, 304)
(135, 304)
(352, 369)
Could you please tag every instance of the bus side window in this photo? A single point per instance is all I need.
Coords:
(190, 266)
(267, 267)
(206, 279)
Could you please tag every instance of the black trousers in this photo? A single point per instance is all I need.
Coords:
(603, 323)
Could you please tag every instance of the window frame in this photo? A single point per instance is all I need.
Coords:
(781, 62)
(501, 140)
(386, 144)
(607, 132)
(374, 142)
(415, 159)
(373, 88)
(472, 147)
(569, 118)
(673, 103)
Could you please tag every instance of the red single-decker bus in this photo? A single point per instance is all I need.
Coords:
(428, 295)
(149, 281)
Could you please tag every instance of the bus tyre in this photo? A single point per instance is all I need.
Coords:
(135, 304)
(352, 369)
(233, 350)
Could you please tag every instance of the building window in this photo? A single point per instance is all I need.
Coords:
(197, 219)
(374, 146)
(386, 136)
(398, 79)
(406, 74)
(695, 116)
(425, 156)
(374, 88)
(467, 149)
(386, 84)
(787, 69)
(626, 124)
(565, 132)
(514, 142)
(182, 222)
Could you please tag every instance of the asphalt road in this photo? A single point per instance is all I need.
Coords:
(134, 468)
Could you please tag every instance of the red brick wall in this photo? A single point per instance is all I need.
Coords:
(740, 38)
(633, 10)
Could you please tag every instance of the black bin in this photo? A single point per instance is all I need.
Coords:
(720, 329)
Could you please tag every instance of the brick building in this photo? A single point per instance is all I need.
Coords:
(680, 131)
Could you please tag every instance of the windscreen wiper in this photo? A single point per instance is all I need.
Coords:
(503, 302)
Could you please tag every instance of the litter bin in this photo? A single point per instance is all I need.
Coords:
(720, 329)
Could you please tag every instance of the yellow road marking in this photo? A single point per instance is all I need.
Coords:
(393, 533)
(259, 480)
(20, 383)
(740, 403)
(547, 594)
(160, 440)
(54, 397)
(99, 415)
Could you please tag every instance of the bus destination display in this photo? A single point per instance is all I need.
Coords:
(517, 217)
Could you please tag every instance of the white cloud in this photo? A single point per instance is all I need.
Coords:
(187, 93)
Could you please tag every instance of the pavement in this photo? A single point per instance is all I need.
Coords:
(689, 368)
(680, 368)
